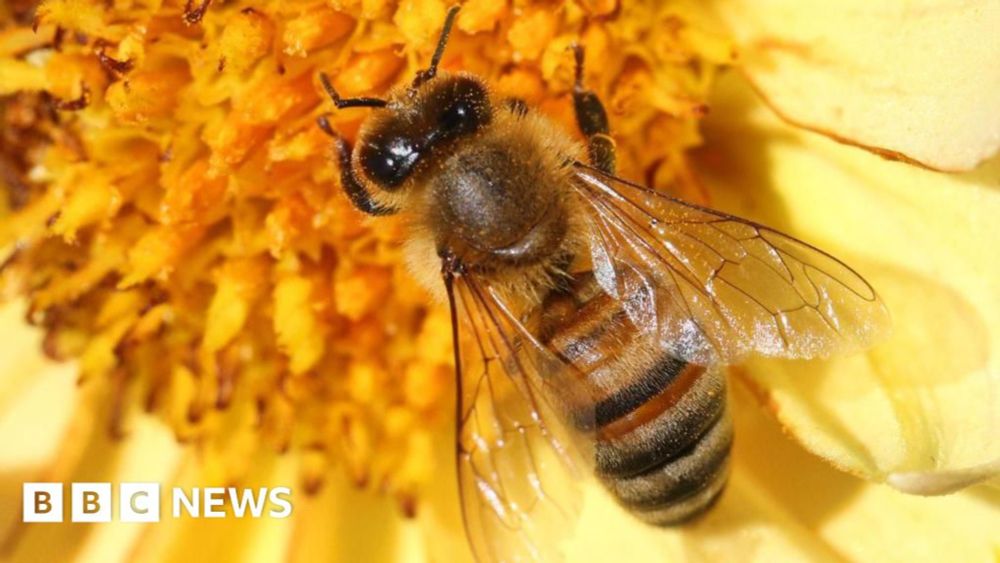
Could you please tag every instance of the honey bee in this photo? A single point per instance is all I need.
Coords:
(600, 311)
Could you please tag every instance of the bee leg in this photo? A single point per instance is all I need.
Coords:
(355, 191)
(592, 120)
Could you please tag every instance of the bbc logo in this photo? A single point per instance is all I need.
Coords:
(91, 502)
(140, 502)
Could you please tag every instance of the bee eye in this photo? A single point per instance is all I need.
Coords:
(464, 108)
(458, 117)
(389, 162)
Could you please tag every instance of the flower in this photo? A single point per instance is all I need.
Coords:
(180, 232)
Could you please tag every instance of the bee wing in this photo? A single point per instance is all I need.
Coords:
(518, 465)
(716, 287)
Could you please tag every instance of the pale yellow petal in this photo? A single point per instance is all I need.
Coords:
(34, 393)
(25, 370)
(148, 454)
(861, 521)
(939, 482)
(341, 523)
(926, 401)
(88, 453)
(783, 504)
(912, 80)
(54, 430)
(745, 525)
(247, 539)
(439, 515)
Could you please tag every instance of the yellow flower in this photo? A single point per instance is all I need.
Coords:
(174, 225)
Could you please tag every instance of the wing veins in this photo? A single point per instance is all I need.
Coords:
(518, 428)
(721, 217)
(810, 278)
(504, 429)
(486, 358)
(623, 216)
(679, 298)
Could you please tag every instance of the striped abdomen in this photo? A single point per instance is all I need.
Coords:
(661, 426)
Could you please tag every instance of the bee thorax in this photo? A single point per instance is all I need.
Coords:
(495, 205)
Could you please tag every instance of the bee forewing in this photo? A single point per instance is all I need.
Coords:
(519, 465)
(718, 287)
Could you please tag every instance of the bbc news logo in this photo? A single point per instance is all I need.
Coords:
(140, 502)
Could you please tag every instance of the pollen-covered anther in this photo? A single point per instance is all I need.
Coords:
(245, 40)
(315, 29)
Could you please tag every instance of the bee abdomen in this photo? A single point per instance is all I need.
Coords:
(683, 486)
(667, 459)
(665, 425)
(661, 430)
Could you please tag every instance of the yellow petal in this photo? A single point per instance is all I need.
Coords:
(919, 410)
(148, 454)
(912, 80)
(783, 504)
(749, 523)
(24, 370)
(88, 454)
(95, 199)
(860, 521)
(225, 539)
(14, 40)
(326, 529)
(30, 386)
(744, 525)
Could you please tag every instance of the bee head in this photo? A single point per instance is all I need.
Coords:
(420, 122)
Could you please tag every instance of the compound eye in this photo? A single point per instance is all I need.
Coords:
(389, 162)
(465, 106)
(459, 117)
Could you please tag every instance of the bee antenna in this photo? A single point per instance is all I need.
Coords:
(431, 71)
(577, 67)
(342, 103)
